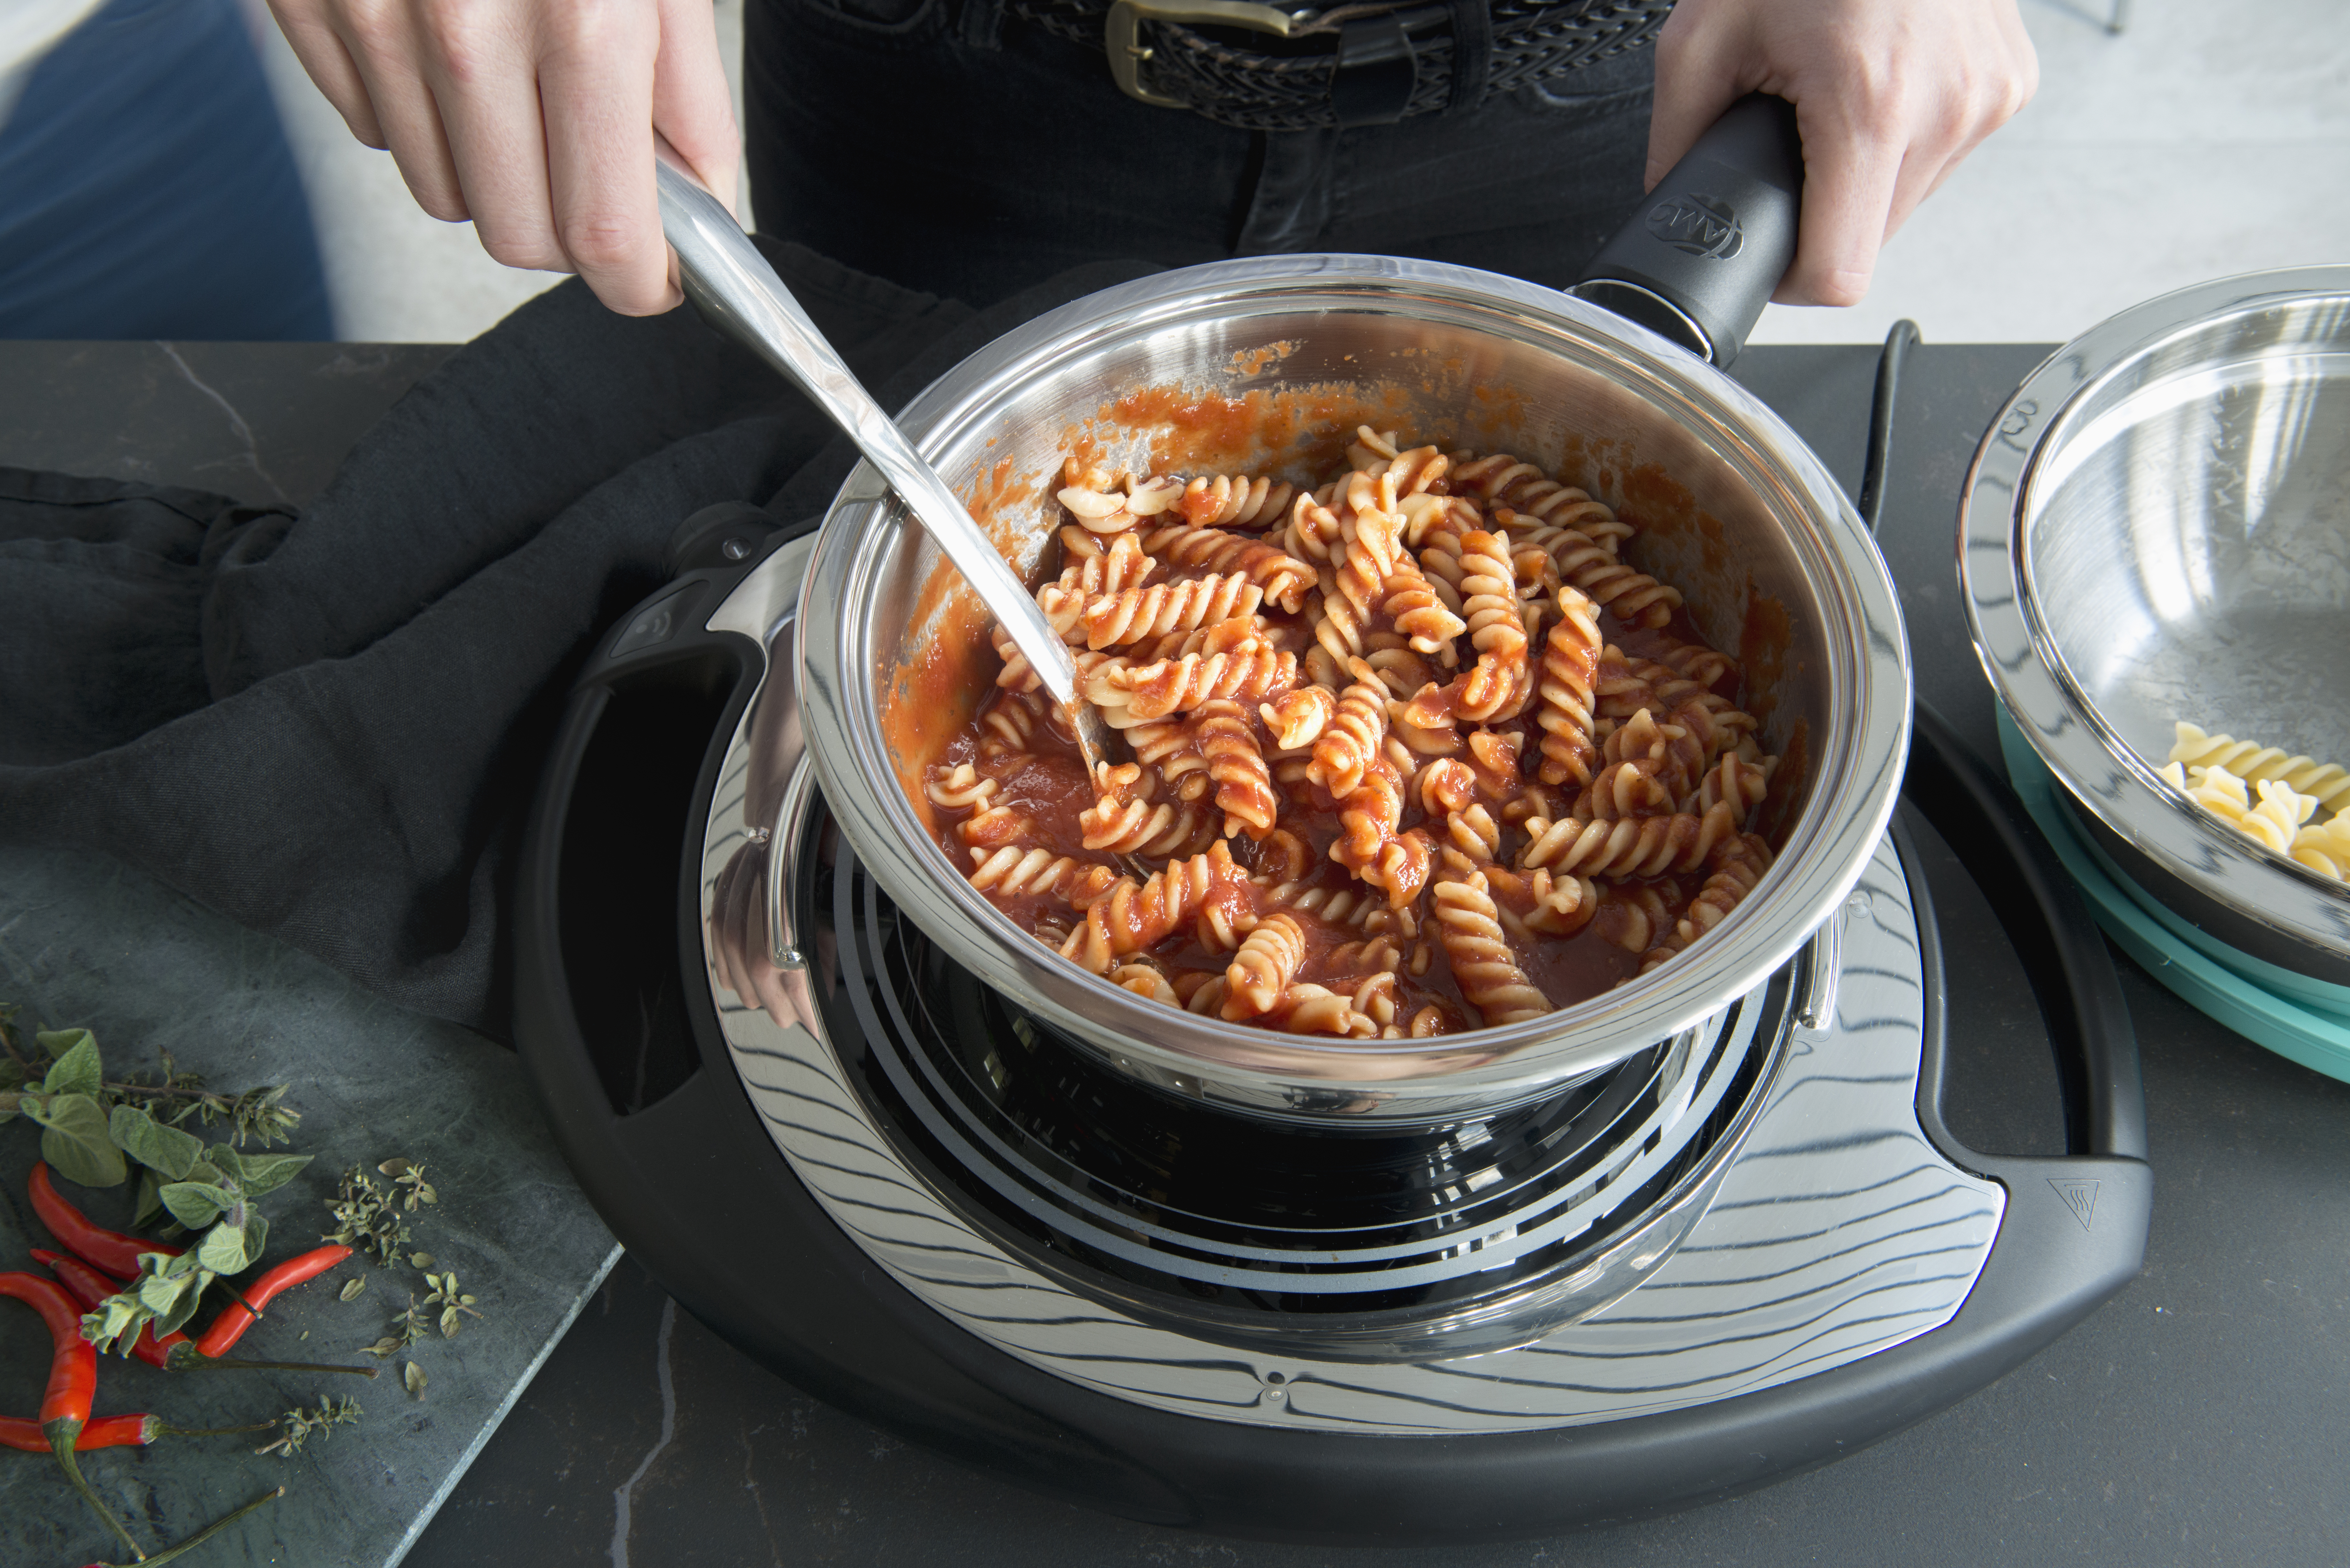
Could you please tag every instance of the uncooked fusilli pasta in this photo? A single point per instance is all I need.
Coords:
(2294, 796)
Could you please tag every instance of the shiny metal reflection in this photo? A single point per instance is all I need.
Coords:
(1833, 1230)
(2157, 528)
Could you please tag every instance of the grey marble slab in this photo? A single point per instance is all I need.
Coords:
(261, 422)
(86, 941)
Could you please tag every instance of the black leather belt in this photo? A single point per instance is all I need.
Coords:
(1352, 65)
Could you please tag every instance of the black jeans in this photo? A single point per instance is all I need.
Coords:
(926, 151)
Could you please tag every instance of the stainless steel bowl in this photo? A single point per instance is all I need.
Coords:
(1740, 514)
(2157, 527)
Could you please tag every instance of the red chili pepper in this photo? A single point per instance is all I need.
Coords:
(73, 1382)
(238, 1317)
(111, 1251)
(102, 1432)
(175, 1352)
(201, 1536)
(110, 1432)
(90, 1287)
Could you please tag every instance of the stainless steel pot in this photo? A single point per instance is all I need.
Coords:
(1737, 513)
(2157, 527)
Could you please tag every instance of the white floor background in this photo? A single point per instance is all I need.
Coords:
(2212, 136)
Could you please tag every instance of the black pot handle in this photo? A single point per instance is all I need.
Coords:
(2049, 923)
(1699, 260)
(2076, 1225)
(598, 1020)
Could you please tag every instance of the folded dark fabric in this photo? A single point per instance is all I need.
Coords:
(326, 724)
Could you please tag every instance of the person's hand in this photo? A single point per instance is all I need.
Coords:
(535, 119)
(1890, 96)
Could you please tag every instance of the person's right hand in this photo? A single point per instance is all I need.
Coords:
(535, 119)
(1890, 96)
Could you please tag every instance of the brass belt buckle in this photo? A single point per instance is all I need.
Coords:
(1122, 35)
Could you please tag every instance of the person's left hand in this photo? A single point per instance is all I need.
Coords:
(1890, 96)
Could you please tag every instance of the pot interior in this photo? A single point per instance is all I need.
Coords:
(2186, 535)
(1282, 392)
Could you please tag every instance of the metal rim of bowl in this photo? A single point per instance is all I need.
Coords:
(2103, 773)
(1248, 1068)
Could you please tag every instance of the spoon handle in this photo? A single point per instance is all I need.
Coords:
(737, 292)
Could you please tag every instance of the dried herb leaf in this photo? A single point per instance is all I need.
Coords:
(366, 1218)
(413, 1375)
(410, 1177)
(297, 1425)
(450, 1300)
(409, 1327)
(351, 1288)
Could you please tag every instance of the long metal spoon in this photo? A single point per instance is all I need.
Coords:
(737, 292)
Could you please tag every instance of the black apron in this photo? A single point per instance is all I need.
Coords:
(954, 148)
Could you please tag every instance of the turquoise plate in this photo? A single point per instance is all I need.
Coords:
(2305, 1019)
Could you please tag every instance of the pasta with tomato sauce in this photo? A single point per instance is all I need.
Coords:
(1415, 752)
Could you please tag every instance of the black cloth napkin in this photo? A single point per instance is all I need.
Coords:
(328, 723)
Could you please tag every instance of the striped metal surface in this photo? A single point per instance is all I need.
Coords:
(1838, 1229)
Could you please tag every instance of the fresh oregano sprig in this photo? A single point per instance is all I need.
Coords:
(74, 1102)
(211, 1190)
(67, 1098)
(92, 1134)
(259, 1114)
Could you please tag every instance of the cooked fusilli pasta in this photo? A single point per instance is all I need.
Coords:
(1114, 620)
(1220, 501)
(1263, 967)
(1282, 576)
(1225, 737)
(1471, 930)
(1413, 752)
(1350, 741)
(1128, 695)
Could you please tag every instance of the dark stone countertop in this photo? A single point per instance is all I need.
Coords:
(2193, 1419)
